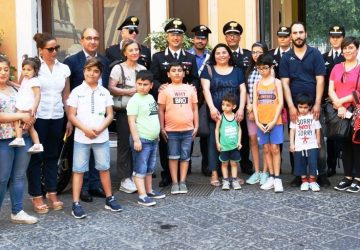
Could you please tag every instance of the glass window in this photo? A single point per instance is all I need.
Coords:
(70, 17)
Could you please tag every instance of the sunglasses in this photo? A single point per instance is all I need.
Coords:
(131, 31)
(51, 49)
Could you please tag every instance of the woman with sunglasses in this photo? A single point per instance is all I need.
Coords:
(55, 89)
(344, 79)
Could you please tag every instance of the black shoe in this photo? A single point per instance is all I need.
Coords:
(98, 192)
(205, 171)
(153, 175)
(85, 196)
(165, 180)
(331, 172)
(296, 182)
(355, 187)
(323, 181)
(343, 184)
(246, 167)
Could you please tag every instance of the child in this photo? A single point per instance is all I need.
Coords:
(144, 126)
(228, 142)
(28, 99)
(268, 103)
(90, 111)
(305, 143)
(179, 122)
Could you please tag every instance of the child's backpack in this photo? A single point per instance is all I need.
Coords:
(356, 117)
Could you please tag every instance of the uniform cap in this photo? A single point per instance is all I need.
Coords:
(201, 31)
(175, 26)
(283, 31)
(337, 31)
(232, 26)
(131, 22)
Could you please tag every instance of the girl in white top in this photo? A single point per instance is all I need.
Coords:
(27, 100)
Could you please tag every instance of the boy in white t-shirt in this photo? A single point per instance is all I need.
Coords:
(90, 111)
(305, 143)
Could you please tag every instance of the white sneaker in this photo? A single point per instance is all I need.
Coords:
(128, 186)
(314, 186)
(278, 187)
(36, 148)
(304, 186)
(269, 184)
(17, 142)
(23, 218)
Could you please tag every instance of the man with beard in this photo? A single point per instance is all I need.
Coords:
(302, 70)
(202, 55)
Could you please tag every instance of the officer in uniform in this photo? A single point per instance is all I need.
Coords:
(128, 29)
(159, 66)
(202, 55)
(232, 31)
(332, 57)
(284, 42)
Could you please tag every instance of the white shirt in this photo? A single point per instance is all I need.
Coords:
(52, 85)
(90, 110)
(305, 132)
(25, 98)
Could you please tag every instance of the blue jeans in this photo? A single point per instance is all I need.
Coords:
(214, 162)
(179, 145)
(144, 161)
(305, 158)
(13, 165)
(50, 134)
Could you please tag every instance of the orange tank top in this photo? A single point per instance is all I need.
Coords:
(267, 102)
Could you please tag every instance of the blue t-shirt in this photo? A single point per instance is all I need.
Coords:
(302, 73)
(224, 84)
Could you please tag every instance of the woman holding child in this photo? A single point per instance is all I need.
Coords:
(218, 79)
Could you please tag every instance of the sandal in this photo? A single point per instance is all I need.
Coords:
(39, 208)
(54, 203)
(214, 180)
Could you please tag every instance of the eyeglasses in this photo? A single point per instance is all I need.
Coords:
(51, 49)
(263, 68)
(233, 35)
(90, 38)
(257, 52)
(131, 31)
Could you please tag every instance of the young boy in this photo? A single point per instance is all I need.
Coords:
(144, 126)
(305, 143)
(228, 142)
(268, 103)
(90, 111)
(179, 123)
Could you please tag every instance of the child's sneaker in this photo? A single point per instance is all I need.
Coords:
(156, 195)
(175, 189)
(128, 186)
(23, 218)
(112, 204)
(305, 186)
(36, 148)
(269, 184)
(343, 184)
(183, 188)
(77, 211)
(278, 187)
(263, 178)
(254, 178)
(355, 187)
(314, 186)
(17, 142)
(225, 184)
(146, 201)
(236, 184)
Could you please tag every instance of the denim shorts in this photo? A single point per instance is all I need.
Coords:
(82, 155)
(231, 155)
(144, 162)
(179, 145)
(275, 136)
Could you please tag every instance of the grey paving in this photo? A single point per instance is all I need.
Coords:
(206, 218)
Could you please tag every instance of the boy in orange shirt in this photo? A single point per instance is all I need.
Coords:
(179, 123)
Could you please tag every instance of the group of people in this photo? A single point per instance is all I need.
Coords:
(250, 96)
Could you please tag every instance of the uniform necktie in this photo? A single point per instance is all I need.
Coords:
(336, 54)
(235, 54)
(282, 53)
(175, 56)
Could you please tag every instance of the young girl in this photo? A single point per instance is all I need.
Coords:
(267, 105)
(305, 143)
(252, 76)
(228, 142)
(28, 99)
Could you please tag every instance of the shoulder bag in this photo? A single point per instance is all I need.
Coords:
(121, 101)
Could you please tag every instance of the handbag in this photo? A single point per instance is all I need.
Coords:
(356, 117)
(120, 102)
